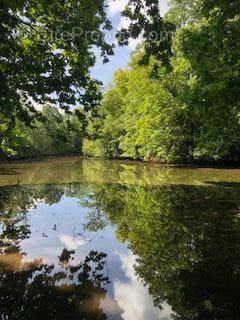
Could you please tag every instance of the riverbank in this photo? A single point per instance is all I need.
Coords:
(195, 164)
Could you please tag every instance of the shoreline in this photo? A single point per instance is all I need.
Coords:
(195, 164)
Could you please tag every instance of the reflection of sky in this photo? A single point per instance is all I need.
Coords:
(133, 297)
(55, 227)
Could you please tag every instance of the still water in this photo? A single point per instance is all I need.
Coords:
(93, 239)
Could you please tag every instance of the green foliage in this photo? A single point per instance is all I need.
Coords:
(57, 134)
(7, 137)
(178, 101)
(93, 148)
(44, 58)
(182, 12)
(145, 20)
(141, 118)
(191, 112)
(212, 49)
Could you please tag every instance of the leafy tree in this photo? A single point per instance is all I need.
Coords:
(141, 117)
(191, 112)
(211, 47)
(146, 21)
(58, 133)
(46, 53)
(183, 12)
(108, 128)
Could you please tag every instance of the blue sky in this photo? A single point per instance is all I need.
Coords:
(104, 72)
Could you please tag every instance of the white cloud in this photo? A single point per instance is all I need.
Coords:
(70, 242)
(124, 24)
(116, 6)
(133, 298)
(164, 6)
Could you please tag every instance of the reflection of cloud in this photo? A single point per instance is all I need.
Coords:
(133, 298)
(70, 242)
(110, 306)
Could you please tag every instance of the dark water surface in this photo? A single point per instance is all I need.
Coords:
(92, 239)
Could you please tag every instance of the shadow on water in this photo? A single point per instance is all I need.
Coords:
(8, 172)
(225, 184)
(186, 238)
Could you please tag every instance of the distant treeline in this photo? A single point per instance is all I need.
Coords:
(56, 133)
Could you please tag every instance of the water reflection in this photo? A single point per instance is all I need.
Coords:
(81, 245)
(33, 290)
(137, 303)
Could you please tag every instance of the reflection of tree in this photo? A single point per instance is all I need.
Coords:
(16, 201)
(187, 239)
(188, 242)
(22, 198)
(35, 290)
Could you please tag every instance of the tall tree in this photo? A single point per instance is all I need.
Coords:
(46, 53)
(207, 40)
(210, 44)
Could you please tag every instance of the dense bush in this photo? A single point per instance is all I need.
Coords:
(93, 148)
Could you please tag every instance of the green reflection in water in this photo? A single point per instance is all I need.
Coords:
(182, 224)
(187, 239)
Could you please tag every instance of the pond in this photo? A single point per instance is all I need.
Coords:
(94, 239)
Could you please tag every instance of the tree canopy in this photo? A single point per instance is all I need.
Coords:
(46, 53)
(188, 111)
(178, 100)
